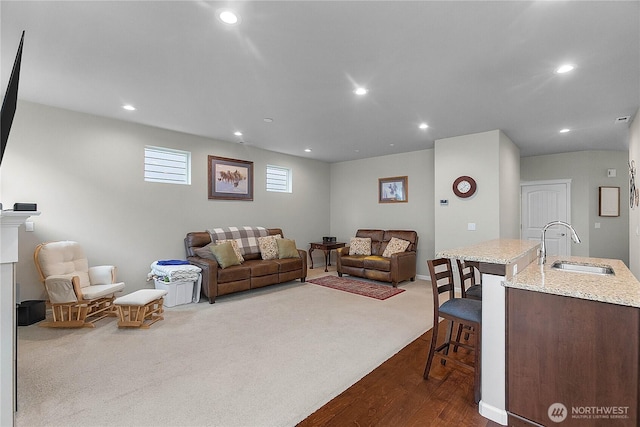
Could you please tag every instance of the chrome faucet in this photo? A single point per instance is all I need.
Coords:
(543, 246)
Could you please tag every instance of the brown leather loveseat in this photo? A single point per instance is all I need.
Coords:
(254, 272)
(395, 268)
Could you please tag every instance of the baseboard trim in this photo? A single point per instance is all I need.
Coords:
(494, 414)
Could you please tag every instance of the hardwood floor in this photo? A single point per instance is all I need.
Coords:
(395, 394)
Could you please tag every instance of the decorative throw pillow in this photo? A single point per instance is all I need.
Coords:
(225, 255)
(236, 248)
(394, 246)
(287, 248)
(205, 252)
(360, 246)
(268, 246)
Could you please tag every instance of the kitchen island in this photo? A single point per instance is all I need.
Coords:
(497, 260)
(573, 344)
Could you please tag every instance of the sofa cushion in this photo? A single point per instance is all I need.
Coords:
(289, 264)
(287, 249)
(268, 246)
(234, 273)
(376, 262)
(360, 246)
(262, 267)
(395, 246)
(225, 255)
(353, 260)
(234, 245)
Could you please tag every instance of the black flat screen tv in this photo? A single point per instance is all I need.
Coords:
(10, 100)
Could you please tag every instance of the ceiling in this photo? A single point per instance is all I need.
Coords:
(462, 67)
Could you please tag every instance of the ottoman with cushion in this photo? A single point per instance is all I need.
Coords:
(140, 309)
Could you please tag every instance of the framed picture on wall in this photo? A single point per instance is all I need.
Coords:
(609, 201)
(393, 190)
(230, 179)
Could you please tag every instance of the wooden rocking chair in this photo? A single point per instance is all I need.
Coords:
(79, 295)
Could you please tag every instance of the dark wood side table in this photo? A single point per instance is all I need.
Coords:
(326, 248)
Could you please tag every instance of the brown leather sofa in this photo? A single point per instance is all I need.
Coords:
(253, 273)
(395, 269)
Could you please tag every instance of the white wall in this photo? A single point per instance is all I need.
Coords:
(634, 214)
(492, 160)
(354, 199)
(588, 171)
(86, 175)
(509, 190)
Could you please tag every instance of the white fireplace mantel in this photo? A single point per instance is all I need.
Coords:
(10, 221)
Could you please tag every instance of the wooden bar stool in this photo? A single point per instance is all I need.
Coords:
(140, 309)
(465, 311)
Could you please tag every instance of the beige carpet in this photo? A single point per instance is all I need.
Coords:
(268, 357)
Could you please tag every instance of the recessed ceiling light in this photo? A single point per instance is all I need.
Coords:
(129, 107)
(565, 130)
(307, 150)
(228, 17)
(237, 133)
(360, 91)
(268, 120)
(564, 68)
(423, 126)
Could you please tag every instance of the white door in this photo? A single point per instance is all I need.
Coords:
(541, 203)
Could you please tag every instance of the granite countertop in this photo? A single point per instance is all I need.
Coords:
(499, 251)
(621, 288)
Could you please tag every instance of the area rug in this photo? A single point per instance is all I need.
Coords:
(358, 287)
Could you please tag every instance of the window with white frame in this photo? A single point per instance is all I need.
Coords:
(278, 179)
(167, 165)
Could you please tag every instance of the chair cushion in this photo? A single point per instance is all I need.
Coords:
(99, 291)
(64, 258)
(140, 297)
(474, 291)
(463, 308)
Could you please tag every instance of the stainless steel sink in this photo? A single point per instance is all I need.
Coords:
(576, 267)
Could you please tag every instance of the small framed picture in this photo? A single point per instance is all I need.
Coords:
(393, 190)
(230, 179)
(609, 199)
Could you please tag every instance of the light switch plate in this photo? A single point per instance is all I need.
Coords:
(471, 226)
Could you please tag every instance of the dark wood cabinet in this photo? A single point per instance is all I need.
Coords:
(571, 358)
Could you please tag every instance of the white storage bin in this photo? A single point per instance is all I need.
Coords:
(178, 292)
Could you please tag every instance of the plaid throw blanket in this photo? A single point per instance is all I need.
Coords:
(246, 237)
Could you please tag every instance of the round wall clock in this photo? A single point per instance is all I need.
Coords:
(464, 186)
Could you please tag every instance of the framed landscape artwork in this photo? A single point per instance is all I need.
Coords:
(230, 179)
(393, 190)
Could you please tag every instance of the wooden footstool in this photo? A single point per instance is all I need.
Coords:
(140, 309)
